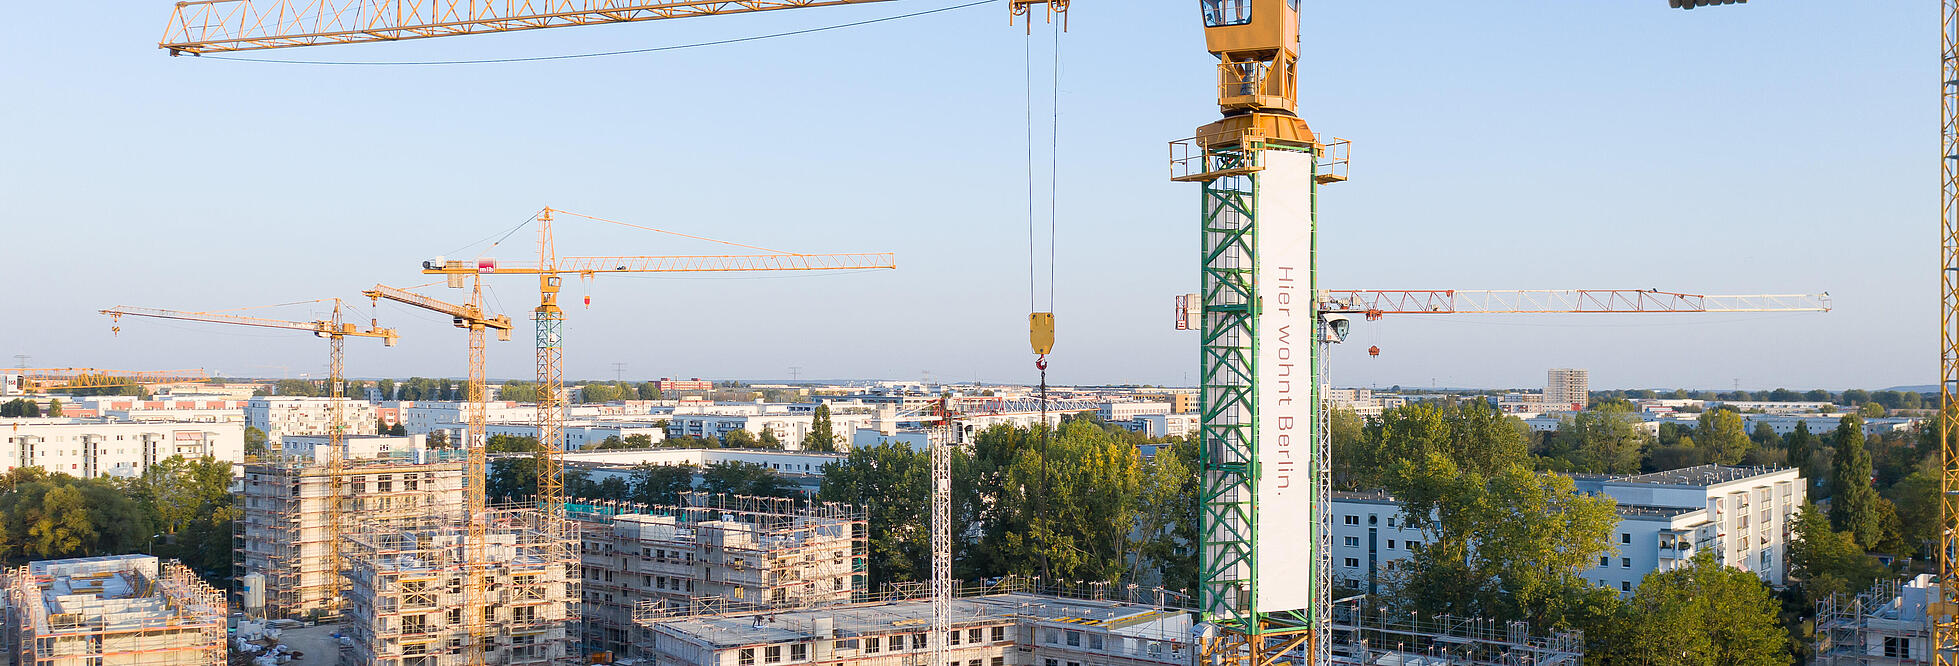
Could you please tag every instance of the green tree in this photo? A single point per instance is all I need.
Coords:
(1703, 613)
(661, 485)
(890, 481)
(510, 444)
(1604, 440)
(1824, 561)
(518, 391)
(739, 439)
(398, 430)
(1855, 397)
(297, 387)
(1871, 410)
(1471, 436)
(54, 408)
(740, 478)
(1723, 435)
(512, 479)
(822, 437)
(1853, 502)
(769, 440)
(189, 501)
(648, 391)
(254, 441)
(1917, 500)
(1348, 430)
(387, 389)
(1081, 517)
(1802, 453)
(1166, 515)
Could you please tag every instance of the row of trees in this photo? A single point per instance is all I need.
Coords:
(1854, 397)
(513, 479)
(179, 508)
(23, 407)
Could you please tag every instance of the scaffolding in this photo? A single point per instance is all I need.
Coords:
(284, 519)
(113, 611)
(406, 582)
(1365, 634)
(713, 551)
(1884, 626)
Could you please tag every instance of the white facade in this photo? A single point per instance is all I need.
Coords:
(578, 434)
(356, 447)
(278, 416)
(789, 428)
(92, 448)
(421, 417)
(1567, 388)
(1742, 515)
(1114, 412)
(1167, 425)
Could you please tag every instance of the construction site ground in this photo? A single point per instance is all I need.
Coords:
(316, 642)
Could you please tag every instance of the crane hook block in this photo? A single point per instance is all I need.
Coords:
(1040, 332)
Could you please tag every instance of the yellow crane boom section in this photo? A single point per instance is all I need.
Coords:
(465, 315)
(322, 328)
(54, 379)
(215, 26)
(677, 264)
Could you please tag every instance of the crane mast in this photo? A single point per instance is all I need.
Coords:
(1945, 623)
(472, 318)
(336, 331)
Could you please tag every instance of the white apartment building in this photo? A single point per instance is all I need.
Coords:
(91, 448)
(421, 417)
(788, 428)
(1363, 401)
(313, 448)
(182, 410)
(578, 434)
(1742, 515)
(1567, 389)
(1117, 412)
(278, 416)
(1010, 629)
(1166, 425)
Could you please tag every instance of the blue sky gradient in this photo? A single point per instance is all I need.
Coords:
(1769, 147)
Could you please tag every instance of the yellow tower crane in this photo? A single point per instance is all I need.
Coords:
(336, 331)
(551, 270)
(50, 380)
(471, 317)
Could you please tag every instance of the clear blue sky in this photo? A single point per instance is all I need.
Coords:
(1768, 147)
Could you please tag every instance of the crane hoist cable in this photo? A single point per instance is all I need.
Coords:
(1040, 323)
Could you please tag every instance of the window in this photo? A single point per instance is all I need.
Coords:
(1050, 636)
(918, 641)
(974, 662)
(952, 637)
(896, 642)
(1094, 641)
(1074, 639)
(799, 651)
(1350, 542)
(1625, 563)
(1390, 544)
(999, 661)
(1625, 586)
(746, 657)
(772, 654)
(1050, 662)
(973, 636)
(1897, 647)
(1605, 560)
(872, 645)
(999, 634)
(1351, 562)
(1350, 520)
(1625, 537)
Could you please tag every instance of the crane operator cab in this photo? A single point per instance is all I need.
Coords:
(1257, 46)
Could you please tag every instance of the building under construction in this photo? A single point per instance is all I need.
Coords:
(763, 552)
(409, 583)
(282, 532)
(1004, 625)
(1886, 625)
(110, 611)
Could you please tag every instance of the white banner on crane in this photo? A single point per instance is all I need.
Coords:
(1287, 528)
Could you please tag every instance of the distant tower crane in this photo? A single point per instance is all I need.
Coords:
(336, 332)
(473, 318)
(51, 380)
(550, 270)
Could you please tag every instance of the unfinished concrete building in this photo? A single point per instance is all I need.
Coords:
(757, 551)
(281, 534)
(990, 628)
(1886, 625)
(407, 581)
(112, 611)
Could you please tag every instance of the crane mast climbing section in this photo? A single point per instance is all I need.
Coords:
(1264, 464)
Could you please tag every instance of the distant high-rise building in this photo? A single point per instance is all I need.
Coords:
(1567, 386)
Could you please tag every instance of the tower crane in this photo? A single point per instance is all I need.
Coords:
(47, 380)
(336, 331)
(551, 269)
(471, 317)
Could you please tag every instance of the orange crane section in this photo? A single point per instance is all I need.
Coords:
(43, 380)
(336, 331)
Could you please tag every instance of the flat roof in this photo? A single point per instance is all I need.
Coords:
(1701, 475)
(844, 622)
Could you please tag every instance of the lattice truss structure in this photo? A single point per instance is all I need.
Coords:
(405, 592)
